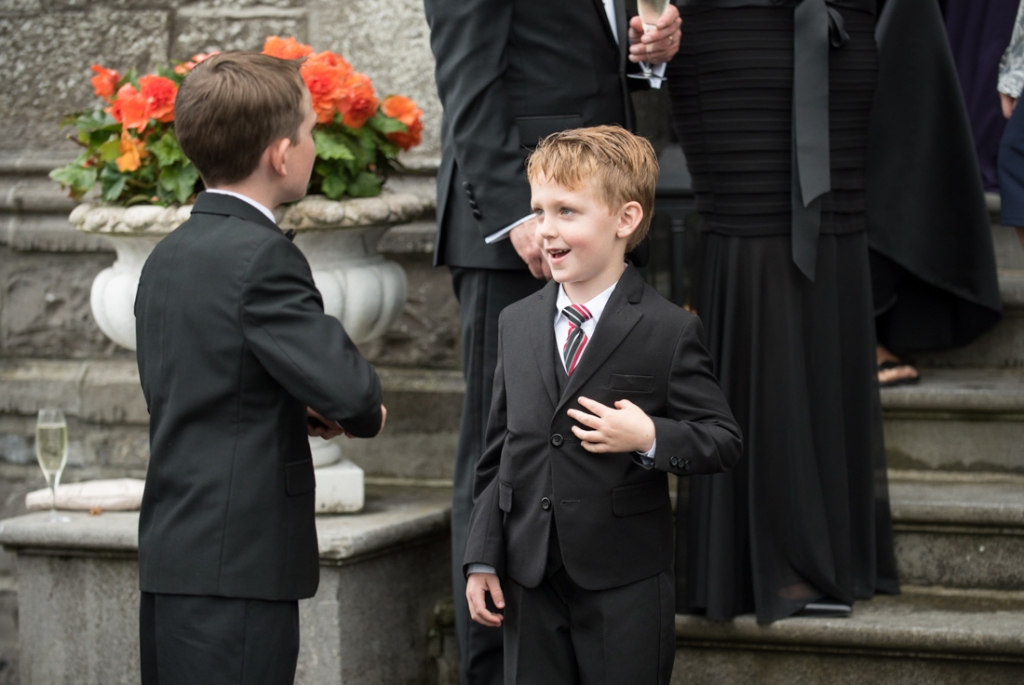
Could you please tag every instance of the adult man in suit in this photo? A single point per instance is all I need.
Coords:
(510, 72)
(233, 346)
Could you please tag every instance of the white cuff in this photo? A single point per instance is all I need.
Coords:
(646, 459)
(503, 233)
(479, 568)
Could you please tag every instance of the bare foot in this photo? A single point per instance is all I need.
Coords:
(892, 371)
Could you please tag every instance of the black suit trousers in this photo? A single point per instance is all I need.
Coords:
(196, 640)
(482, 294)
(560, 634)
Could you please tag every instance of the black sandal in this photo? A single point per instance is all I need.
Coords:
(886, 365)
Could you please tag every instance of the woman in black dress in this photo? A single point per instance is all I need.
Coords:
(804, 517)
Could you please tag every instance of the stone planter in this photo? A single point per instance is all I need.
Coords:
(359, 287)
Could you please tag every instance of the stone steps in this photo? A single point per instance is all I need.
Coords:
(959, 530)
(924, 636)
(957, 420)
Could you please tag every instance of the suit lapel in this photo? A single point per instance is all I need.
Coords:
(620, 315)
(609, 34)
(542, 338)
(623, 29)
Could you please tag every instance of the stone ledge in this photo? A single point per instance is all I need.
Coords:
(951, 625)
(984, 391)
(392, 517)
(985, 503)
(47, 233)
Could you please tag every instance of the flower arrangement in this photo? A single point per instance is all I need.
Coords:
(130, 150)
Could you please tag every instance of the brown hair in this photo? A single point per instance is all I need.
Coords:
(232, 106)
(621, 166)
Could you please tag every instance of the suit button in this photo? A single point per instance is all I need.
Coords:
(557, 440)
(473, 204)
(674, 461)
(477, 214)
(545, 504)
(686, 464)
(467, 185)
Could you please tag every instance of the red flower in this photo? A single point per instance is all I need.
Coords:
(185, 67)
(159, 93)
(358, 102)
(130, 108)
(405, 110)
(104, 83)
(325, 75)
(285, 48)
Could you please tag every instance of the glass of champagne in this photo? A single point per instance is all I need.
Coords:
(650, 12)
(52, 452)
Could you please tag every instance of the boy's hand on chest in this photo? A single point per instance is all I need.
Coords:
(623, 427)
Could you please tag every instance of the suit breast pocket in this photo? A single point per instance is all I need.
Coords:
(504, 497)
(299, 478)
(533, 129)
(627, 383)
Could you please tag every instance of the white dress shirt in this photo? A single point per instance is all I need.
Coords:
(245, 198)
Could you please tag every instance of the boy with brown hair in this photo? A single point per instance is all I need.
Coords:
(602, 388)
(234, 349)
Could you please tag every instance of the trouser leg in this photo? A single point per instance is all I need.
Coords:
(482, 294)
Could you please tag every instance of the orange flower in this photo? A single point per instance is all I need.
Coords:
(405, 110)
(325, 75)
(159, 93)
(188, 66)
(132, 153)
(130, 108)
(105, 81)
(358, 102)
(285, 48)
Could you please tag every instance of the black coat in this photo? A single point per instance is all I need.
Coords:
(614, 517)
(508, 73)
(924, 201)
(233, 344)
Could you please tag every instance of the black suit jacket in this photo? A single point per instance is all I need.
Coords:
(508, 73)
(233, 344)
(613, 516)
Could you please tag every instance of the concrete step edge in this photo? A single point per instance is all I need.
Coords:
(988, 501)
(967, 391)
(920, 622)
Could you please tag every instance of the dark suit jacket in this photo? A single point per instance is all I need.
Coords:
(508, 73)
(233, 344)
(613, 516)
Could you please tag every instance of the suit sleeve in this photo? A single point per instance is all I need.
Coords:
(468, 39)
(699, 434)
(305, 350)
(486, 540)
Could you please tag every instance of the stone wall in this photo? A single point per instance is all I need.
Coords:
(47, 46)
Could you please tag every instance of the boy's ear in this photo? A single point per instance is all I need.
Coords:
(277, 154)
(630, 217)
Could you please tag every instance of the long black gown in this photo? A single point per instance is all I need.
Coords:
(806, 510)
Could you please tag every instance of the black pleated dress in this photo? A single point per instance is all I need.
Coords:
(805, 513)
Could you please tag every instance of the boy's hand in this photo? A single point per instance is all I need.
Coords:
(626, 428)
(317, 425)
(477, 587)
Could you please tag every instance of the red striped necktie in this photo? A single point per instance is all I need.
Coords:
(577, 340)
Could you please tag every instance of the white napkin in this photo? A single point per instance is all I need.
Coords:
(122, 494)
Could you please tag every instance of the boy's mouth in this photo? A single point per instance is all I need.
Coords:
(557, 254)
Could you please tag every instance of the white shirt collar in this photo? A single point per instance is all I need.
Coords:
(244, 198)
(596, 305)
(609, 9)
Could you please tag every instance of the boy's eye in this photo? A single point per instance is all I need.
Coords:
(538, 213)
(565, 211)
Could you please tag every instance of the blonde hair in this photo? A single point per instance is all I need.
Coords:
(620, 166)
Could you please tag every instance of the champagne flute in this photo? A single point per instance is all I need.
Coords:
(650, 11)
(52, 452)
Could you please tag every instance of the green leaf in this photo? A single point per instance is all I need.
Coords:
(386, 124)
(179, 181)
(167, 150)
(333, 187)
(96, 120)
(331, 145)
(110, 150)
(364, 185)
(113, 182)
(77, 178)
